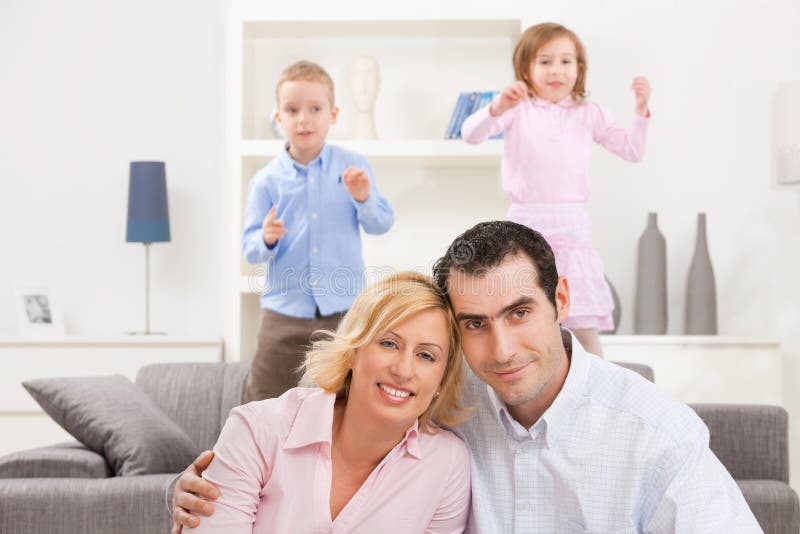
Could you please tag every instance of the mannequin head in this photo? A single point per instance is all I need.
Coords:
(364, 82)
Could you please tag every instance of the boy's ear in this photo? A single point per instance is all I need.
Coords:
(277, 116)
(334, 114)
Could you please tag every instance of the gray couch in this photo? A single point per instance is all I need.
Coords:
(68, 489)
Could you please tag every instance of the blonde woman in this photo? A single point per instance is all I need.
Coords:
(362, 452)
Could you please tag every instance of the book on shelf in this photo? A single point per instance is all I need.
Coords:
(468, 103)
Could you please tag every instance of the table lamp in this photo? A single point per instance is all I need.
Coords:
(148, 217)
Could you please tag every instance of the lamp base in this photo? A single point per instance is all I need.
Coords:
(147, 333)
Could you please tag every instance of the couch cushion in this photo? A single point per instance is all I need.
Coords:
(774, 504)
(112, 417)
(65, 460)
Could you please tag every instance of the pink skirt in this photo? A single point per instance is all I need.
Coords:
(568, 230)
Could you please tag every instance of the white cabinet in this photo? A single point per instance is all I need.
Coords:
(24, 425)
(707, 368)
(424, 63)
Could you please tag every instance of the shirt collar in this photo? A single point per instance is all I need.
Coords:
(560, 415)
(290, 165)
(314, 424)
(567, 102)
(558, 418)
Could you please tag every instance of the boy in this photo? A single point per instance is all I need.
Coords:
(302, 219)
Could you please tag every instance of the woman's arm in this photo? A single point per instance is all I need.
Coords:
(451, 514)
(239, 471)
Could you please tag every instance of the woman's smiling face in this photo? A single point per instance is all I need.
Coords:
(396, 375)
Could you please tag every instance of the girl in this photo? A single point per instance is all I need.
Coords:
(549, 128)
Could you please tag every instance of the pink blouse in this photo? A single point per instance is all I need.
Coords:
(548, 146)
(272, 465)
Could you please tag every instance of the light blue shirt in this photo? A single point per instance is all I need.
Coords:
(611, 454)
(318, 263)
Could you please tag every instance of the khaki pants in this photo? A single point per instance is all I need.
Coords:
(282, 345)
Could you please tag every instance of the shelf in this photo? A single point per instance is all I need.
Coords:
(452, 152)
(110, 341)
(681, 340)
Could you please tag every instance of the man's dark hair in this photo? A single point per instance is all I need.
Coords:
(487, 244)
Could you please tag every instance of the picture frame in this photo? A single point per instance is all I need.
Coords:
(38, 313)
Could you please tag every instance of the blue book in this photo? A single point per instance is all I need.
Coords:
(451, 127)
(466, 111)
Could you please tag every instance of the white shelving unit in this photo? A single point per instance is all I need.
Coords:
(424, 63)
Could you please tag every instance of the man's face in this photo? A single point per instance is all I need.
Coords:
(510, 331)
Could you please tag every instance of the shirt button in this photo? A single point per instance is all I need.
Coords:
(314, 215)
(313, 282)
(315, 250)
(311, 180)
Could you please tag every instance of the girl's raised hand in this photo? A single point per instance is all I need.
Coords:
(510, 97)
(641, 89)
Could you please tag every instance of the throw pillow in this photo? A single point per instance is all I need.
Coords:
(113, 417)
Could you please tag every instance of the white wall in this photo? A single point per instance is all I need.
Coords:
(88, 86)
(85, 88)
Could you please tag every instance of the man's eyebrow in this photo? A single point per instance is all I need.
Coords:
(475, 316)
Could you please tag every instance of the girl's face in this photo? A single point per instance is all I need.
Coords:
(554, 69)
(396, 376)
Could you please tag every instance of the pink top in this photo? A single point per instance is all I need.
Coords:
(272, 466)
(548, 146)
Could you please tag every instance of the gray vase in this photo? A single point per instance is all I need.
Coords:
(650, 314)
(701, 290)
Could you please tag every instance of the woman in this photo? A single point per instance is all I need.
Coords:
(361, 453)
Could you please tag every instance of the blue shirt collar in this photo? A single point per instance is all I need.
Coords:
(290, 165)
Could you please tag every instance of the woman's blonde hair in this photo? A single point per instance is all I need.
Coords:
(533, 39)
(376, 310)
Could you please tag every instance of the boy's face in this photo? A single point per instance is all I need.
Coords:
(305, 113)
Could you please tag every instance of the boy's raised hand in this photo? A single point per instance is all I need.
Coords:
(272, 228)
(357, 183)
(510, 97)
(641, 89)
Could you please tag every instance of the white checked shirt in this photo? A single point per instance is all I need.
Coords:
(612, 454)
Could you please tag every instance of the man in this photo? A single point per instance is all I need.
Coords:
(561, 441)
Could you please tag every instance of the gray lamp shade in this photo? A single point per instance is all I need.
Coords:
(148, 214)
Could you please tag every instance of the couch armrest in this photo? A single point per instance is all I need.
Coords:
(751, 441)
(645, 370)
(65, 460)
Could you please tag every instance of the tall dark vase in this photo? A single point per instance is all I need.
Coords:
(701, 290)
(650, 315)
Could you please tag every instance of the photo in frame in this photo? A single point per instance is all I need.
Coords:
(37, 312)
